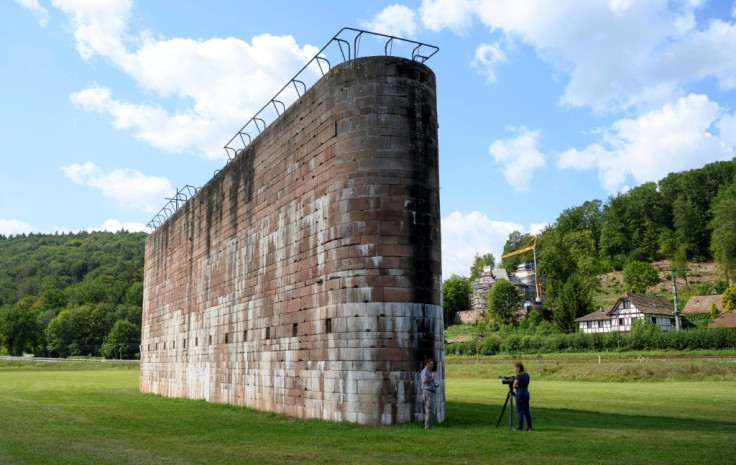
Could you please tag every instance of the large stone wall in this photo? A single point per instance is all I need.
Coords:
(304, 278)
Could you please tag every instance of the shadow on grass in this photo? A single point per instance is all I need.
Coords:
(469, 415)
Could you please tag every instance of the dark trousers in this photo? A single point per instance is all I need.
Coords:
(522, 409)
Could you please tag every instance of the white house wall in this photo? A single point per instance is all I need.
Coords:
(622, 319)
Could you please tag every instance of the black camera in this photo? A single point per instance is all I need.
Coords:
(507, 380)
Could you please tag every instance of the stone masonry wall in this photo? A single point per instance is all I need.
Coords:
(304, 278)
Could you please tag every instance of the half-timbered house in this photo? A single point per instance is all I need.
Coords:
(627, 309)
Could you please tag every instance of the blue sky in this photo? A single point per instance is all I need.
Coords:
(110, 105)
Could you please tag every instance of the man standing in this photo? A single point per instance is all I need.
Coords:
(429, 388)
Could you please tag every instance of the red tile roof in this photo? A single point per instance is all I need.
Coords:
(646, 304)
(726, 319)
(701, 304)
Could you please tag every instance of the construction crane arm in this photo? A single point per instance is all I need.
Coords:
(525, 249)
(517, 252)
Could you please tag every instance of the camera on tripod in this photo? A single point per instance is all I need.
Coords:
(507, 380)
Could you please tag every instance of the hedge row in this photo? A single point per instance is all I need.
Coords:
(699, 338)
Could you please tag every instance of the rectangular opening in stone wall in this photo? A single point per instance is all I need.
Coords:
(196, 341)
(245, 336)
(294, 331)
(173, 344)
(149, 347)
(164, 345)
(183, 343)
(268, 333)
(209, 341)
(328, 325)
(226, 338)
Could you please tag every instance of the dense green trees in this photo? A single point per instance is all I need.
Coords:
(122, 340)
(479, 263)
(723, 225)
(687, 216)
(729, 298)
(638, 276)
(515, 242)
(18, 329)
(503, 303)
(455, 291)
(62, 294)
(575, 300)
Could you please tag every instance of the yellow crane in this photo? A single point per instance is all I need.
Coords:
(533, 248)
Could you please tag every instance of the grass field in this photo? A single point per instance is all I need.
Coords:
(81, 414)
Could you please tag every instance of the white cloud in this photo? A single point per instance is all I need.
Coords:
(12, 227)
(113, 225)
(394, 20)
(487, 57)
(727, 131)
(99, 26)
(130, 188)
(456, 15)
(619, 54)
(519, 157)
(80, 173)
(464, 235)
(219, 83)
(172, 132)
(670, 139)
(537, 228)
(40, 12)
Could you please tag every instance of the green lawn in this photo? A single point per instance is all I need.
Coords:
(94, 414)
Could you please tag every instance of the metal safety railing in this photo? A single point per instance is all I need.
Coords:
(173, 204)
(343, 47)
(320, 62)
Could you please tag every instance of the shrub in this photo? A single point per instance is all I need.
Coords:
(644, 336)
(490, 345)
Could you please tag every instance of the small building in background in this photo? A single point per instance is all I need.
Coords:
(726, 319)
(627, 309)
(700, 304)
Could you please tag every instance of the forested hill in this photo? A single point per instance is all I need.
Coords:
(685, 217)
(63, 294)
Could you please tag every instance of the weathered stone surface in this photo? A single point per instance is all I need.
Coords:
(304, 278)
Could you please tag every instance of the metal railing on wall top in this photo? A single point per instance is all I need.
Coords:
(343, 47)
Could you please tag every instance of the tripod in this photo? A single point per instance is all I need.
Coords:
(510, 395)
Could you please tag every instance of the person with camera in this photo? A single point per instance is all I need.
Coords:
(521, 385)
(429, 388)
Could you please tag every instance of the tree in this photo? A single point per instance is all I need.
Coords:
(503, 302)
(123, 341)
(586, 217)
(479, 263)
(723, 238)
(555, 261)
(134, 294)
(515, 242)
(638, 276)
(729, 299)
(714, 312)
(690, 226)
(679, 261)
(68, 333)
(18, 329)
(455, 291)
(574, 301)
